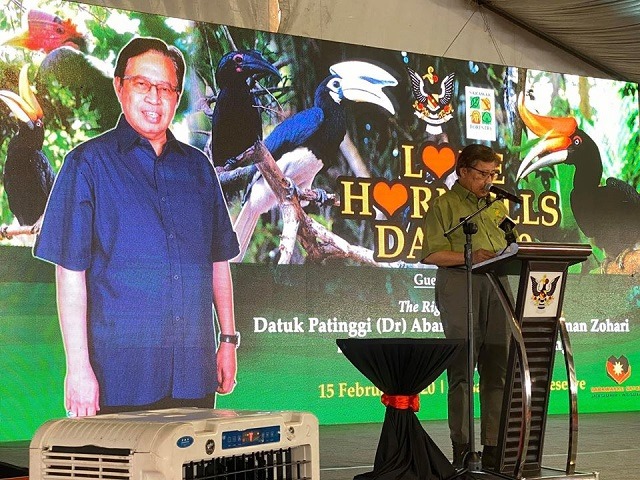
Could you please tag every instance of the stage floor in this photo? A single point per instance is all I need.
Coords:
(607, 444)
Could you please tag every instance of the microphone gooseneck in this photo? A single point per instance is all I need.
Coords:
(499, 192)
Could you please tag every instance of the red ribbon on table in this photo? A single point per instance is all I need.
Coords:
(401, 402)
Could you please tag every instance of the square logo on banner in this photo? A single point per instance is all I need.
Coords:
(480, 113)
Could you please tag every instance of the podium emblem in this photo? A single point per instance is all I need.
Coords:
(544, 289)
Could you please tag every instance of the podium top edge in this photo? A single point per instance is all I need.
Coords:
(569, 253)
(578, 249)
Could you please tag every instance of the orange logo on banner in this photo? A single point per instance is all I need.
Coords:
(390, 196)
(438, 161)
(618, 369)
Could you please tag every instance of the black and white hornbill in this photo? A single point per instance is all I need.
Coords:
(236, 118)
(28, 175)
(302, 143)
(609, 213)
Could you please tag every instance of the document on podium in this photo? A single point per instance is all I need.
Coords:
(501, 258)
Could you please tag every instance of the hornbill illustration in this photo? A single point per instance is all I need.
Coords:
(28, 176)
(68, 63)
(46, 32)
(236, 119)
(609, 213)
(302, 143)
(87, 78)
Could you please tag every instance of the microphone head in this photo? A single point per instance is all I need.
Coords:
(500, 193)
(507, 224)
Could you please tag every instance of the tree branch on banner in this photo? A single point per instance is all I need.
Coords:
(7, 232)
(319, 243)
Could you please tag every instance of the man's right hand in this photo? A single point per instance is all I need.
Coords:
(481, 255)
(81, 393)
(81, 390)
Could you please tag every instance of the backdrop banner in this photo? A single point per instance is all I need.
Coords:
(365, 137)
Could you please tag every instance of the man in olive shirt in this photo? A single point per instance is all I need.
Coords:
(476, 168)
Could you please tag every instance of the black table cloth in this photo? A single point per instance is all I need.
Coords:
(402, 368)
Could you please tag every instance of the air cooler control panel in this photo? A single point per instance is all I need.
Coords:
(251, 436)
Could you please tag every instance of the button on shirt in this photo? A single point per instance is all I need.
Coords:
(446, 211)
(146, 229)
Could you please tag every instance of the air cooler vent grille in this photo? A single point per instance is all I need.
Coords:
(66, 463)
(265, 465)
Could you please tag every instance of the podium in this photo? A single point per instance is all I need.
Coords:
(535, 324)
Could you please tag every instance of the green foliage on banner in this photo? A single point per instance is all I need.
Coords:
(84, 106)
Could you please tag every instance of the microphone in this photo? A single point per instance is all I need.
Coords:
(506, 225)
(499, 192)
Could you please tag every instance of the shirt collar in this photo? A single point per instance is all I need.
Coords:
(127, 138)
(465, 194)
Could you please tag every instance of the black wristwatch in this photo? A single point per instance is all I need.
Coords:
(234, 339)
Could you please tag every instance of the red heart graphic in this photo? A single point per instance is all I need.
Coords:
(438, 161)
(390, 196)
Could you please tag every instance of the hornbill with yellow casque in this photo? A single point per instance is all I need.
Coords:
(609, 213)
(28, 175)
(236, 122)
(68, 64)
(305, 142)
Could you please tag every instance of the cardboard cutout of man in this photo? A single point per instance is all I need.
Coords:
(141, 237)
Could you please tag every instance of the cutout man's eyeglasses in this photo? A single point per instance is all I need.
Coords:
(485, 174)
(142, 85)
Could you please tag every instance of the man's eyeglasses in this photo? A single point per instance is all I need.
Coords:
(142, 85)
(485, 174)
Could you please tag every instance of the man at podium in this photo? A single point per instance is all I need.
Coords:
(476, 167)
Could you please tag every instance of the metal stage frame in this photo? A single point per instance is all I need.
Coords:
(545, 473)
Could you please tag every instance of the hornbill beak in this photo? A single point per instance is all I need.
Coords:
(555, 139)
(255, 64)
(21, 40)
(363, 82)
(24, 106)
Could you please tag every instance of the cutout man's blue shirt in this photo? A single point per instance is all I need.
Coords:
(146, 229)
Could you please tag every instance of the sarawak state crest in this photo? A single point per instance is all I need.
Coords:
(543, 290)
(432, 98)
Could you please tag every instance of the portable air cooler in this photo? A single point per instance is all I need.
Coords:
(180, 443)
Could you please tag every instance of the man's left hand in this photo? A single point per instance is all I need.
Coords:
(227, 367)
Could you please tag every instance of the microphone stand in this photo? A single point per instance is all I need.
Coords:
(473, 463)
